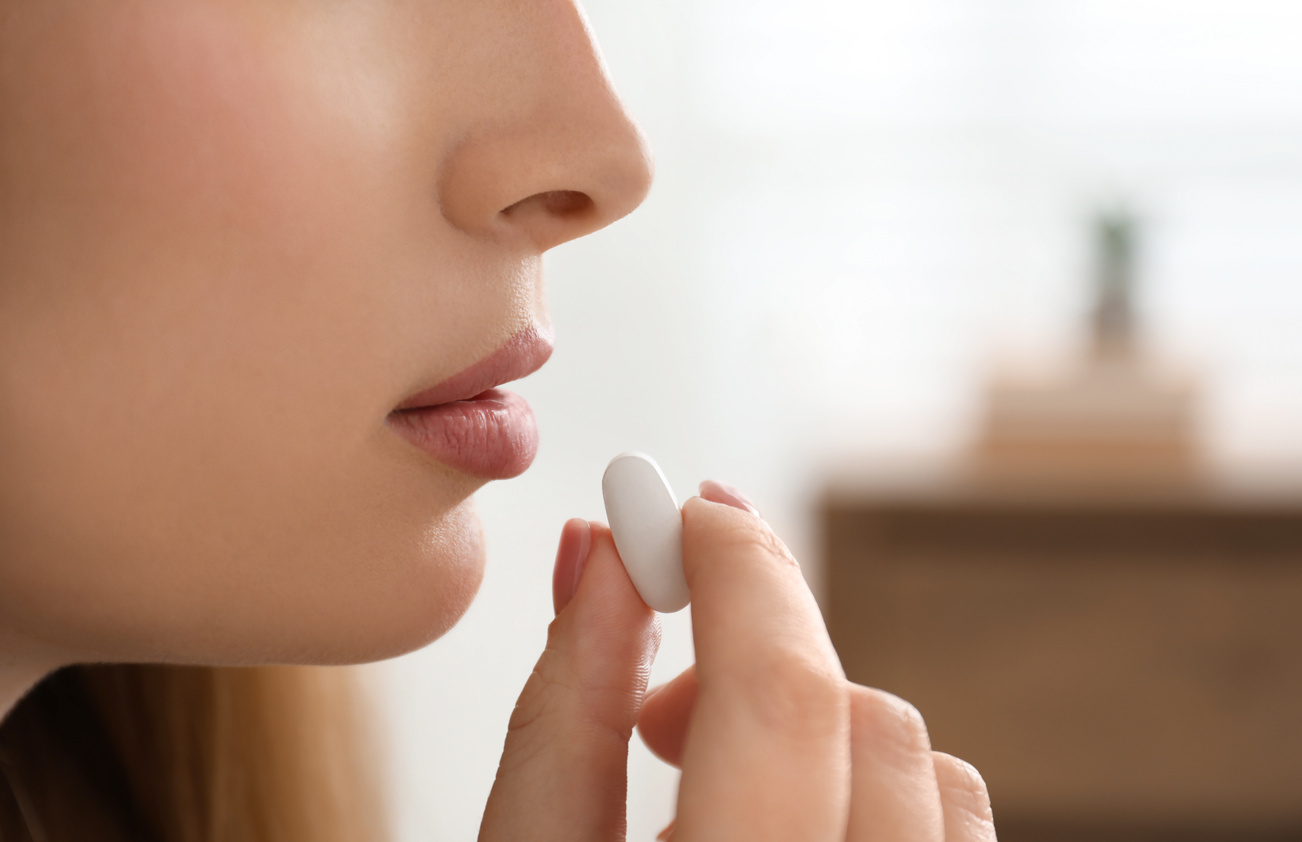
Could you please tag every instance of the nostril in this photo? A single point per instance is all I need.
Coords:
(562, 204)
(566, 202)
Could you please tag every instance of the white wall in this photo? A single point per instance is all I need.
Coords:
(860, 208)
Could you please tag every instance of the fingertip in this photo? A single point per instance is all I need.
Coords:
(714, 530)
(702, 513)
(729, 495)
(604, 639)
(604, 594)
(571, 559)
(665, 715)
(651, 693)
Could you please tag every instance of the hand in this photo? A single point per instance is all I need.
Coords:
(773, 741)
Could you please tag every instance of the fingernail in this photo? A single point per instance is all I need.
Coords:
(571, 556)
(666, 834)
(722, 492)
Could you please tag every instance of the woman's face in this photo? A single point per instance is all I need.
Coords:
(235, 235)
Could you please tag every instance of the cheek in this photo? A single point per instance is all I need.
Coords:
(349, 574)
(195, 345)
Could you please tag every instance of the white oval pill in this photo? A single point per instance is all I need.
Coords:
(648, 529)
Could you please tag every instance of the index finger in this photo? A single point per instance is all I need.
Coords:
(767, 751)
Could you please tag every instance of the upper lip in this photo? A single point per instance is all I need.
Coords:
(521, 355)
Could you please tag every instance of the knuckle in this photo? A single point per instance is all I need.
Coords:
(888, 720)
(798, 693)
(737, 534)
(757, 537)
(557, 711)
(538, 698)
(598, 703)
(526, 740)
(963, 789)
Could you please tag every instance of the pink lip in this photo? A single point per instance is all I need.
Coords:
(468, 424)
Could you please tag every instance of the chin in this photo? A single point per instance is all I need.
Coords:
(412, 606)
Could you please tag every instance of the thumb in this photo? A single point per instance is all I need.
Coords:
(563, 774)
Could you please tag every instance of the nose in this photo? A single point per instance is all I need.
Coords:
(551, 154)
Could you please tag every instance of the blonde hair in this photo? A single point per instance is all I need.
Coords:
(191, 754)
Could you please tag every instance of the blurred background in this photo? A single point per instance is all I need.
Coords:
(994, 308)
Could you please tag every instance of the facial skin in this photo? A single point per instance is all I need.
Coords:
(234, 234)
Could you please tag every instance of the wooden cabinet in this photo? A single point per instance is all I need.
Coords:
(1119, 665)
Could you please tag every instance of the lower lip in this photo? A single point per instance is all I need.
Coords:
(491, 436)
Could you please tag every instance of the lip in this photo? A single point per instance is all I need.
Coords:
(521, 355)
(467, 423)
